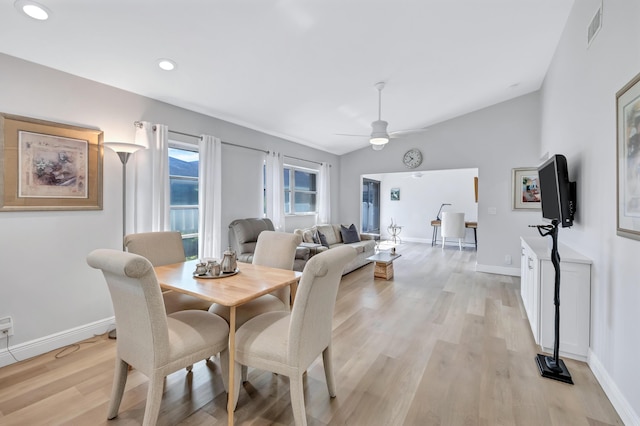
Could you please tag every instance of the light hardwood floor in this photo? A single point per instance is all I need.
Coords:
(439, 344)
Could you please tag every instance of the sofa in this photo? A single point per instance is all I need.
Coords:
(243, 235)
(333, 235)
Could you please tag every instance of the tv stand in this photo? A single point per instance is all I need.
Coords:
(554, 367)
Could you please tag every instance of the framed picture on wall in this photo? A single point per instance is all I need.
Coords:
(49, 166)
(628, 159)
(525, 189)
(395, 194)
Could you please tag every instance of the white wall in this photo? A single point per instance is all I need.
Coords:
(494, 140)
(47, 288)
(579, 121)
(421, 198)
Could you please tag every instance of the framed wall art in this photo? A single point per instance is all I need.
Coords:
(49, 166)
(395, 194)
(628, 159)
(525, 189)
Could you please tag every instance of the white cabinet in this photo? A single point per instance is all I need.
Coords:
(537, 287)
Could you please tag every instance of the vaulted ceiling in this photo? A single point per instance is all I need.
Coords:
(301, 70)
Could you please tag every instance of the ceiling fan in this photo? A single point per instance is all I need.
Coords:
(379, 136)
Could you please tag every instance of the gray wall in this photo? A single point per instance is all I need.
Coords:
(494, 140)
(579, 121)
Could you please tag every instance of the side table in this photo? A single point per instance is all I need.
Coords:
(383, 267)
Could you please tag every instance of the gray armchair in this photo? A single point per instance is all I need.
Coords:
(243, 236)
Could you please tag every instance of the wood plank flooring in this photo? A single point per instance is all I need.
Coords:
(439, 344)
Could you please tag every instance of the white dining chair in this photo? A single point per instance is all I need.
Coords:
(286, 343)
(274, 249)
(453, 227)
(149, 340)
(164, 248)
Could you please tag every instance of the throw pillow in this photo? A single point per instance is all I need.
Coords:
(316, 238)
(307, 236)
(350, 234)
(323, 239)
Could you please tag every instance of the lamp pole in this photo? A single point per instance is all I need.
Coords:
(124, 151)
(440, 211)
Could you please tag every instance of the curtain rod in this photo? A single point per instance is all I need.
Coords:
(138, 124)
(302, 159)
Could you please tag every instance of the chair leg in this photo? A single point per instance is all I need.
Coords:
(154, 398)
(460, 243)
(245, 373)
(224, 368)
(442, 242)
(296, 389)
(328, 371)
(237, 378)
(119, 381)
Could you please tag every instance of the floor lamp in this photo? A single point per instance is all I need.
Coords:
(124, 151)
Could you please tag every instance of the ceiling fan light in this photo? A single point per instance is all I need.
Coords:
(378, 141)
(377, 147)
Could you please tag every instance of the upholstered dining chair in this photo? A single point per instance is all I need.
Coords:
(453, 227)
(287, 343)
(149, 340)
(274, 249)
(164, 248)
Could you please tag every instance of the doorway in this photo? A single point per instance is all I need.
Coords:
(370, 206)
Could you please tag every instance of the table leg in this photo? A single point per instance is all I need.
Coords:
(475, 237)
(232, 363)
(434, 236)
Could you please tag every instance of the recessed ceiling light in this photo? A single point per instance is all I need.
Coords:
(32, 9)
(167, 64)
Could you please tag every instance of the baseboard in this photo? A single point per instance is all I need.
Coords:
(619, 402)
(46, 344)
(500, 270)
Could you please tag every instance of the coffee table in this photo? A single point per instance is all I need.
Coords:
(383, 264)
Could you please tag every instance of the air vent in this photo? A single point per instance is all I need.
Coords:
(594, 26)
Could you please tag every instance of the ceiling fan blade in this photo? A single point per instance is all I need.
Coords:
(349, 134)
(398, 133)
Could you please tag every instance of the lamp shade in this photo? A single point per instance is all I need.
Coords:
(123, 147)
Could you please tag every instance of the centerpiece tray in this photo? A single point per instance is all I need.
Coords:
(222, 275)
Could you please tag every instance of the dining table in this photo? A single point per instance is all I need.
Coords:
(248, 282)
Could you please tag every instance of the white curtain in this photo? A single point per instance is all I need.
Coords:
(275, 189)
(151, 179)
(324, 194)
(210, 198)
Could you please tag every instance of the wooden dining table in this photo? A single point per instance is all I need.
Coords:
(251, 282)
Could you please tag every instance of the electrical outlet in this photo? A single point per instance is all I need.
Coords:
(6, 327)
(507, 259)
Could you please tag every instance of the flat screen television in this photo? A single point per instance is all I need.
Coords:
(557, 194)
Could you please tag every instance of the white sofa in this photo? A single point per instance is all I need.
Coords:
(364, 248)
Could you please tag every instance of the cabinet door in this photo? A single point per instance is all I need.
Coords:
(575, 299)
(529, 288)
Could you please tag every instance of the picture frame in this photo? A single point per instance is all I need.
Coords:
(395, 194)
(628, 160)
(525, 189)
(49, 166)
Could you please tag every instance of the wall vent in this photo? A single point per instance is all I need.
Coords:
(594, 26)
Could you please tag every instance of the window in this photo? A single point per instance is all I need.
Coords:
(300, 190)
(183, 181)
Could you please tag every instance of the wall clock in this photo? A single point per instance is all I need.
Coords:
(412, 158)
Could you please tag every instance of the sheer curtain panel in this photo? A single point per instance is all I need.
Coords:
(151, 181)
(275, 189)
(210, 197)
(324, 194)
